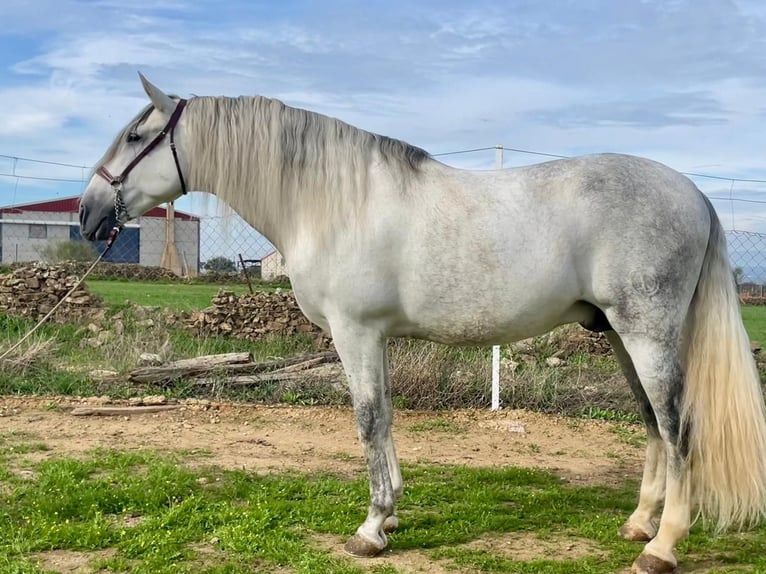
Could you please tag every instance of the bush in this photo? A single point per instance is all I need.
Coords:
(70, 250)
(220, 264)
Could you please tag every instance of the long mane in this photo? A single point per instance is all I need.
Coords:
(267, 159)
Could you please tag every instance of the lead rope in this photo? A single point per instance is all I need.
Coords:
(109, 243)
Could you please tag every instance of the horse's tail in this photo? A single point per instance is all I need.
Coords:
(723, 413)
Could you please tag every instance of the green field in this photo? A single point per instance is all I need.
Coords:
(146, 512)
(754, 318)
(175, 296)
(184, 297)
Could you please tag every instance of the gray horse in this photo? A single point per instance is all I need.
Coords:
(372, 229)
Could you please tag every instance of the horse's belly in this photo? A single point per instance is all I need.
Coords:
(484, 322)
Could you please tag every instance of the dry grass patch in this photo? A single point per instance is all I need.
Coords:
(70, 561)
(528, 546)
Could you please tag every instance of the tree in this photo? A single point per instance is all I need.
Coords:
(739, 274)
(220, 264)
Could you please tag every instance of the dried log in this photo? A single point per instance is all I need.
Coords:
(282, 364)
(117, 411)
(302, 366)
(190, 369)
(187, 367)
(247, 380)
(291, 372)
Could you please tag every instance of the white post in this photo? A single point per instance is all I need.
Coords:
(496, 348)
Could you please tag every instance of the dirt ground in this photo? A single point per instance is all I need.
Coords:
(272, 438)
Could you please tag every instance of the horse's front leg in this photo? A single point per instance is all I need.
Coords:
(363, 354)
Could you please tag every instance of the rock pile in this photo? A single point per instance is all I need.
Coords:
(107, 270)
(249, 317)
(576, 340)
(33, 291)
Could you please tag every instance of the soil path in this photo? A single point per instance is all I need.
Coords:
(271, 438)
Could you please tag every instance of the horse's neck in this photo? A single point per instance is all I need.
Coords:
(287, 221)
(271, 222)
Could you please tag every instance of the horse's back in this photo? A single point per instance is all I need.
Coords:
(522, 250)
(482, 257)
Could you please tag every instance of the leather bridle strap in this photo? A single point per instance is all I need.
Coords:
(116, 182)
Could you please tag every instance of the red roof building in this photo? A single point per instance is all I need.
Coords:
(29, 231)
(72, 205)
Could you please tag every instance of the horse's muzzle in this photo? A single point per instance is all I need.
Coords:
(95, 226)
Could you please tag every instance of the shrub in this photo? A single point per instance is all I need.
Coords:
(70, 250)
(220, 264)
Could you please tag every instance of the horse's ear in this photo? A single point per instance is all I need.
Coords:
(160, 99)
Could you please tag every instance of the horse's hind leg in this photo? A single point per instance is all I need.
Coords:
(641, 526)
(655, 358)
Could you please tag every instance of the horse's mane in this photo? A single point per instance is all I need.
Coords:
(268, 159)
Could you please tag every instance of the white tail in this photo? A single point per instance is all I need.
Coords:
(723, 409)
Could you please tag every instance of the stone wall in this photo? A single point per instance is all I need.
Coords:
(33, 291)
(249, 317)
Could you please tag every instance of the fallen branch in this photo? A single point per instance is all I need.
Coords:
(187, 367)
(117, 411)
(290, 373)
(246, 380)
(194, 369)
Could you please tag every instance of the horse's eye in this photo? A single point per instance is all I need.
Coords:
(133, 137)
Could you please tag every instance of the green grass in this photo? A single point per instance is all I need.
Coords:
(437, 425)
(157, 516)
(754, 318)
(176, 296)
(62, 364)
(425, 376)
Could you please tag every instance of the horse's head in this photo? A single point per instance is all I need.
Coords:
(140, 170)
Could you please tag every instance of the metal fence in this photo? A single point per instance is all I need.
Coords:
(205, 238)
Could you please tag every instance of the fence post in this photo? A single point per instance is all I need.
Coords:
(496, 348)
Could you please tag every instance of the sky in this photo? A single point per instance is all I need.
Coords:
(682, 82)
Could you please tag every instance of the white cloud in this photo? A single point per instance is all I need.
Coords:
(679, 82)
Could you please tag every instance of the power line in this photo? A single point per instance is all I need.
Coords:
(559, 156)
(724, 178)
(535, 152)
(737, 199)
(463, 151)
(39, 178)
(17, 159)
(46, 162)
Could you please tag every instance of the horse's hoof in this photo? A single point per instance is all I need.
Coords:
(635, 533)
(390, 524)
(650, 564)
(361, 547)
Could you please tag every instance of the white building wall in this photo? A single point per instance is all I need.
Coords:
(187, 243)
(153, 241)
(272, 266)
(17, 245)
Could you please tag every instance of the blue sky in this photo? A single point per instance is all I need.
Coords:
(683, 82)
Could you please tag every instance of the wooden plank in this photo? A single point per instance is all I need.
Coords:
(118, 411)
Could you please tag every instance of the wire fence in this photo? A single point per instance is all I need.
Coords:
(38, 220)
